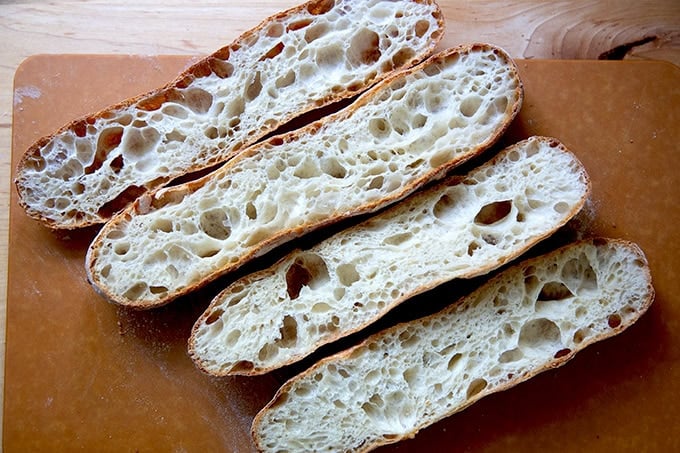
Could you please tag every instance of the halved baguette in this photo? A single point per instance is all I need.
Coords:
(295, 61)
(532, 317)
(460, 228)
(399, 135)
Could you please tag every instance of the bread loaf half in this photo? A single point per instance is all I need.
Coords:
(399, 135)
(295, 61)
(460, 228)
(530, 318)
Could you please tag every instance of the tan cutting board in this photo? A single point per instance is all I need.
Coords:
(84, 374)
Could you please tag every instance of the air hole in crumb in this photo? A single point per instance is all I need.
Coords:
(493, 212)
(251, 210)
(267, 352)
(222, 69)
(580, 335)
(254, 87)
(215, 224)
(455, 361)
(162, 225)
(136, 291)
(511, 355)
(285, 80)
(443, 206)
(475, 387)
(333, 168)
(539, 334)
(614, 320)
(197, 100)
(288, 332)
(307, 270)
(108, 139)
(402, 57)
(320, 7)
(379, 128)
(364, 48)
(376, 183)
(242, 366)
(561, 207)
(421, 28)
(562, 352)
(472, 247)
(302, 23)
(398, 239)
(273, 52)
(121, 248)
(321, 307)
(554, 291)
(347, 273)
(470, 105)
(137, 143)
(214, 316)
(211, 133)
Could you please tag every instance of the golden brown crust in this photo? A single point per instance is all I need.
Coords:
(198, 69)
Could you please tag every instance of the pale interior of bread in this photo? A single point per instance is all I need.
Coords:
(523, 321)
(462, 228)
(295, 63)
(400, 134)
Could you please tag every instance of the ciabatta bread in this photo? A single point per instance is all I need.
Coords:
(461, 228)
(399, 135)
(532, 317)
(295, 61)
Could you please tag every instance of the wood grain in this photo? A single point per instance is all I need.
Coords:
(526, 29)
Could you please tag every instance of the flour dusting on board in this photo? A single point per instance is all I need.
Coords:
(28, 91)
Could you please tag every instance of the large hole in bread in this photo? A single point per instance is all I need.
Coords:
(475, 387)
(215, 224)
(554, 291)
(540, 335)
(288, 332)
(137, 143)
(254, 87)
(578, 273)
(493, 212)
(307, 270)
(332, 167)
(320, 7)
(197, 99)
(379, 128)
(364, 48)
(347, 273)
(470, 105)
(444, 206)
(221, 68)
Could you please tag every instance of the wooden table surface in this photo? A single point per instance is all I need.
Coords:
(593, 29)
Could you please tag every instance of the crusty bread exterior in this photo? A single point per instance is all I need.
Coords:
(406, 131)
(531, 317)
(460, 228)
(295, 61)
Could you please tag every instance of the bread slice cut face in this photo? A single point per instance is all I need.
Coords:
(295, 61)
(462, 227)
(406, 131)
(531, 317)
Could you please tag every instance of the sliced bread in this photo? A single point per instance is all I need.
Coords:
(532, 317)
(295, 61)
(399, 135)
(460, 228)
